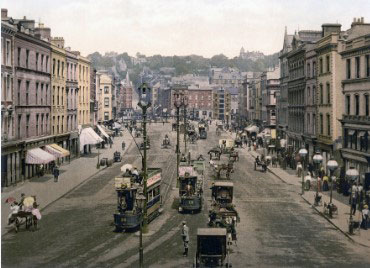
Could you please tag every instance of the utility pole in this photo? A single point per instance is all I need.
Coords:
(185, 128)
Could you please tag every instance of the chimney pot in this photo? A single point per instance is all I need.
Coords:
(4, 13)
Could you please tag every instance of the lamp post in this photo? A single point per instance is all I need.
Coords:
(352, 174)
(332, 166)
(184, 102)
(303, 153)
(144, 104)
(227, 120)
(317, 159)
(140, 202)
(177, 103)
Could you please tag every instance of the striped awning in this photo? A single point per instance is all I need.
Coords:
(102, 131)
(56, 150)
(89, 136)
(38, 156)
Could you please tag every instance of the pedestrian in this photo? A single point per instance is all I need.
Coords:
(56, 174)
(123, 146)
(14, 209)
(365, 217)
(354, 195)
(185, 238)
(325, 186)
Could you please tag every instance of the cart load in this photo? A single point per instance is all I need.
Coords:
(212, 248)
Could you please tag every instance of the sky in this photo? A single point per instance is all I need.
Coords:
(183, 27)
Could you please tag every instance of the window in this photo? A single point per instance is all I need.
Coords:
(321, 124)
(328, 123)
(348, 104)
(27, 125)
(42, 94)
(308, 70)
(37, 61)
(19, 126)
(58, 67)
(314, 69)
(42, 62)
(357, 104)
(47, 64)
(62, 96)
(37, 124)
(106, 115)
(321, 67)
(367, 58)
(106, 90)
(62, 69)
(47, 122)
(42, 124)
(366, 96)
(19, 57)
(53, 66)
(27, 91)
(328, 92)
(348, 67)
(313, 95)
(37, 92)
(19, 91)
(357, 62)
(106, 102)
(327, 64)
(321, 94)
(8, 53)
(46, 95)
(27, 57)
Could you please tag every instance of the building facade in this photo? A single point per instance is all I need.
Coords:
(222, 105)
(200, 102)
(356, 91)
(270, 83)
(105, 99)
(83, 108)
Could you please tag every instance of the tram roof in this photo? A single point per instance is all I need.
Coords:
(211, 232)
(224, 183)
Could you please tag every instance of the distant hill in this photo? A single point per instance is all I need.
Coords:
(119, 64)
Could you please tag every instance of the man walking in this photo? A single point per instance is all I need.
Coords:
(185, 238)
(56, 174)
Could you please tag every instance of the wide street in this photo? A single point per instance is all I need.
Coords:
(277, 227)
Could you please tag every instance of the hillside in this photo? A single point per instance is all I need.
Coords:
(119, 64)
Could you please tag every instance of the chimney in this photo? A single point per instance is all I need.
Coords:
(329, 28)
(58, 41)
(4, 13)
(42, 32)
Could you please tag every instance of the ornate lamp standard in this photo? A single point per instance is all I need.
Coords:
(317, 159)
(352, 174)
(303, 153)
(141, 201)
(332, 166)
(184, 103)
(177, 102)
(144, 104)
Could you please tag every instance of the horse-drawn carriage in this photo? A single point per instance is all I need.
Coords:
(223, 213)
(29, 216)
(234, 156)
(261, 163)
(227, 168)
(212, 248)
(226, 145)
(215, 153)
(117, 156)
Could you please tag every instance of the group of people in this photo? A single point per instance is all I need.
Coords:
(16, 207)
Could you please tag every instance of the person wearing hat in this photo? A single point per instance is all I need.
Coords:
(185, 238)
(365, 217)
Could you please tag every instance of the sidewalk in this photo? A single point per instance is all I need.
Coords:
(340, 221)
(71, 175)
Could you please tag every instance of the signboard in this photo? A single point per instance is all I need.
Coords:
(273, 133)
(187, 169)
(154, 179)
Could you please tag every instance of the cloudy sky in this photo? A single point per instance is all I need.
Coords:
(183, 27)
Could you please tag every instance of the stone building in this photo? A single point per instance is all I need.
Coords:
(200, 102)
(222, 104)
(127, 94)
(309, 135)
(269, 88)
(83, 108)
(297, 86)
(355, 56)
(59, 126)
(72, 102)
(105, 99)
(282, 101)
(329, 94)
(31, 99)
(225, 77)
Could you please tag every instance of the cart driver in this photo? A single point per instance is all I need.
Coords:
(189, 189)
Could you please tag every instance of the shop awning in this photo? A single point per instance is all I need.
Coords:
(89, 136)
(117, 126)
(38, 156)
(252, 129)
(60, 149)
(102, 131)
(351, 132)
(361, 133)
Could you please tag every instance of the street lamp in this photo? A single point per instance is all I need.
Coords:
(332, 166)
(303, 153)
(184, 102)
(177, 102)
(144, 104)
(140, 202)
(317, 159)
(352, 174)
